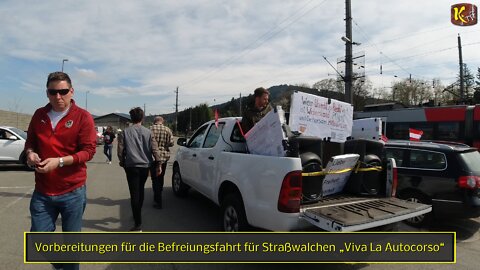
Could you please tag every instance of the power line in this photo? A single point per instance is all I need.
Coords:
(260, 40)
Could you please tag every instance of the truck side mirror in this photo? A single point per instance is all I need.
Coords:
(182, 141)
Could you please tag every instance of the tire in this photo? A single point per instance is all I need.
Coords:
(372, 160)
(422, 220)
(180, 189)
(233, 213)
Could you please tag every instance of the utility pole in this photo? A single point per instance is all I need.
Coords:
(145, 109)
(63, 63)
(460, 59)
(176, 109)
(190, 124)
(348, 53)
(240, 104)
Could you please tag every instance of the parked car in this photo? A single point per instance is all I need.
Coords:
(12, 142)
(99, 134)
(445, 175)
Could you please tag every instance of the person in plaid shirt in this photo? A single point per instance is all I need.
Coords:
(163, 137)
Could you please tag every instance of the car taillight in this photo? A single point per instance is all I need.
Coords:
(469, 181)
(290, 193)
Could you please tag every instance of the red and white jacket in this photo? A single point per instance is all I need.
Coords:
(74, 135)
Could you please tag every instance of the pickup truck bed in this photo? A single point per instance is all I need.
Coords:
(345, 213)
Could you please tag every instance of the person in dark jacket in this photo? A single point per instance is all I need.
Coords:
(135, 151)
(108, 137)
(256, 110)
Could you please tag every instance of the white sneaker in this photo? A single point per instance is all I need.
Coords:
(109, 162)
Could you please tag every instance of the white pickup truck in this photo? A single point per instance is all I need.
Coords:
(271, 193)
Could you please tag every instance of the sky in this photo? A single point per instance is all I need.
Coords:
(123, 54)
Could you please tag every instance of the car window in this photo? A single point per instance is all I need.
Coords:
(197, 139)
(396, 154)
(449, 131)
(5, 134)
(237, 134)
(398, 131)
(213, 135)
(20, 133)
(427, 160)
(471, 161)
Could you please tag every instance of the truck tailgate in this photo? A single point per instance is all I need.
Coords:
(343, 213)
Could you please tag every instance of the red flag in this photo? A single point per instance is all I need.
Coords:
(216, 118)
(240, 127)
(415, 134)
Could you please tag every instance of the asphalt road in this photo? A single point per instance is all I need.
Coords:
(108, 209)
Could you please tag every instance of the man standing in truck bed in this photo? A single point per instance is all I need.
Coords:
(256, 110)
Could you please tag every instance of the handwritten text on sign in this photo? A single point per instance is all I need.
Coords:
(315, 116)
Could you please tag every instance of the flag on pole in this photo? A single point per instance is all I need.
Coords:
(384, 138)
(216, 118)
(415, 134)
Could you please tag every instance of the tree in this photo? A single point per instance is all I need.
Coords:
(194, 116)
(469, 81)
(361, 90)
(476, 93)
(330, 85)
(412, 92)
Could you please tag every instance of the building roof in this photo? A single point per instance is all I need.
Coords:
(121, 115)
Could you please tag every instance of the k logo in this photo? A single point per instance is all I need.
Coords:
(464, 14)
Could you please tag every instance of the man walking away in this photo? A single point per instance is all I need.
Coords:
(162, 136)
(108, 137)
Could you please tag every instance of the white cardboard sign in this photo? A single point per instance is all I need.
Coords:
(315, 116)
(335, 182)
(367, 128)
(266, 137)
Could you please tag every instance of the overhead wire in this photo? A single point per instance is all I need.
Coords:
(297, 15)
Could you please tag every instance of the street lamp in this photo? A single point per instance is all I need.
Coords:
(63, 62)
(86, 100)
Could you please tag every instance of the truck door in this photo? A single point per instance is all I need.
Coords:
(207, 159)
(190, 169)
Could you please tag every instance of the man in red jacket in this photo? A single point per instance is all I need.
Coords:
(61, 139)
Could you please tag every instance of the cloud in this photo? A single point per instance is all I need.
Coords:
(216, 49)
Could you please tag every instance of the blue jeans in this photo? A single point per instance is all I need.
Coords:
(45, 210)
(107, 150)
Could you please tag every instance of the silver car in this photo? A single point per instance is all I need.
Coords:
(12, 143)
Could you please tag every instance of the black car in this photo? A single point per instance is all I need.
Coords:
(445, 175)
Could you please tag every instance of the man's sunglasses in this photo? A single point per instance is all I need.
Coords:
(53, 92)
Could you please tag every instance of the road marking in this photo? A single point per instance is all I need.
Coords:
(16, 200)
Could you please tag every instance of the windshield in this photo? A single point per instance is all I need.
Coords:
(471, 161)
(20, 132)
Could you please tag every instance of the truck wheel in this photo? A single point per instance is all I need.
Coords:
(180, 189)
(422, 220)
(234, 217)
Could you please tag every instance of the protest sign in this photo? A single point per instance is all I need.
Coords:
(317, 116)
